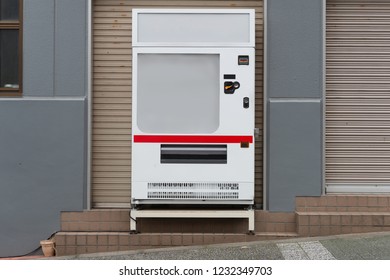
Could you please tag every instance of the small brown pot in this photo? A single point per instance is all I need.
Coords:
(48, 248)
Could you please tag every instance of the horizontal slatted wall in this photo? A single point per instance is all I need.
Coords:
(111, 148)
(358, 92)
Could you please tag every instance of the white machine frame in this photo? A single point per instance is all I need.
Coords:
(229, 182)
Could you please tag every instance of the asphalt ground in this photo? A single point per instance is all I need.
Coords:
(370, 246)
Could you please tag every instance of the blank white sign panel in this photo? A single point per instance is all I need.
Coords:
(178, 93)
(193, 28)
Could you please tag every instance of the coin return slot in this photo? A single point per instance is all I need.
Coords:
(195, 154)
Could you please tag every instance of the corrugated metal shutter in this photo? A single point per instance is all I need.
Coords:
(358, 94)
(111, 148)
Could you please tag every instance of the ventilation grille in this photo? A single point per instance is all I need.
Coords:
(197, 191)
(192, 195)
(192, 186)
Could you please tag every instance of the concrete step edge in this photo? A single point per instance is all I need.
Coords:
(338, 213)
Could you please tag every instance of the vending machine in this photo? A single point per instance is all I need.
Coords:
(193, 106)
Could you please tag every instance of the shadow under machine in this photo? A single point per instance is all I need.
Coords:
(193, 110)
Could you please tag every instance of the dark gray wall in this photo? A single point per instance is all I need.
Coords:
(42, 168)
(43, 134)
(294, 96)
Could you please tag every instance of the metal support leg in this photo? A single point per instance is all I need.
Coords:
(251, 221)
(133, 221)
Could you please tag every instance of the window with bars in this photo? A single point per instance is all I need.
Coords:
(10, 47)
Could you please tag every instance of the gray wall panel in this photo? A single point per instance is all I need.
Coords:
(294, 100)
(294, 30)
(54, 47)
(43, 137)
(42, 168)
(70, 47)
(38, 48)
(295, 158)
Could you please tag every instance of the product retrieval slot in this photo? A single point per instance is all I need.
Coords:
(198, 154)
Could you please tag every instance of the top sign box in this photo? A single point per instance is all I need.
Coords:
(194, 27)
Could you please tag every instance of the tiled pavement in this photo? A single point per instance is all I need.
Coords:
(371, 246)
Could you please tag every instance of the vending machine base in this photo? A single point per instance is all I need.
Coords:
(241, 214)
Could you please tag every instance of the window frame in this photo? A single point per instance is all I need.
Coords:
(15, 25)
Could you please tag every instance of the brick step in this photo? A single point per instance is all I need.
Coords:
(108, 230)
(96, 220)
(343, 203)
(323, 223)
(72, 243)
(118, 220)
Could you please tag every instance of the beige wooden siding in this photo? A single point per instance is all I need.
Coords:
(358, 92)
(111, 148)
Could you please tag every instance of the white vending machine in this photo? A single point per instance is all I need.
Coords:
(193, 106)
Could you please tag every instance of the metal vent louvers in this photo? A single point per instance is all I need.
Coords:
(197, 191)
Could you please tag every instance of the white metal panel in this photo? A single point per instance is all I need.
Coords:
(230, 107)
(235, 120)
(358, 96)
(239, 170)
(226, 182)
(193, 27)
(165, 80)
